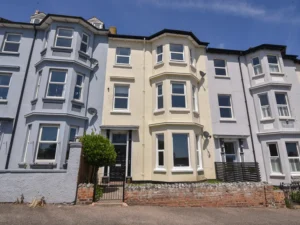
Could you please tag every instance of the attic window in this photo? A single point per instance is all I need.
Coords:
(35, 21)
(98, 25)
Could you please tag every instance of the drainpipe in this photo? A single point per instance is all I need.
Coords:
(144, 105)
(20, 101)
(247, 108)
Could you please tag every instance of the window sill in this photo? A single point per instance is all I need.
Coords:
(277, 175)
(34, 101)
(278, 74)
(295, 174)
(54, 100)
(182, 170)
(120, 112)
(61, 49)
(174, 62)
(286, 118)
(228, 120)
(159, 65)
(122, 66)
(160, 170)
(76, 102)
(3, 102)
(43, 165)
(200, 169)
(179, 110)
(196, 113)
(258, 76)
(159, 111)
(10, 53)
(222, 77)
(267, 119)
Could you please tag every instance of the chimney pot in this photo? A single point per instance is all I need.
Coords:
(37, 12)
(113, 30)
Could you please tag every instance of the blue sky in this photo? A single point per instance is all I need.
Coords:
(233, 24)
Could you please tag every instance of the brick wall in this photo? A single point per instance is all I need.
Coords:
(85, 194)
(205, 195)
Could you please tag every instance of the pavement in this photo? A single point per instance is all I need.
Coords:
(143, 215)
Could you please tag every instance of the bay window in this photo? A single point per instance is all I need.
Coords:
(64, 37)
(177, 52)
(56, 84)
(78, 87)
(256, 66)
(273, 64)
(292, 149)
(265, 106)
(159, 96)
(195, 98)
(159, 54)
(160, 148)
(274, 158)
(178, 95)
(282, 104)
(181, 150)
(84, 43)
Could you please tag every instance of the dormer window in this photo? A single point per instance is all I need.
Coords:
(98, 25)
(36, 21)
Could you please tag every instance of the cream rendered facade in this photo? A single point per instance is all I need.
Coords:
(142, 122)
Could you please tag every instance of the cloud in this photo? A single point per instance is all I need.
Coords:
(240, 8)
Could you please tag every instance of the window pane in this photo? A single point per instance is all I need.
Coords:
(11, 47)
(220, 72)
(77, 93)
(121, 91)
(219, 63)
(79, 80)
(159, 49)
(161, 158)
(257, 70)
(121, 103)
(280, 99)
(177, 88)
(264, 100)
(230, 158)
(46, 151)
(123, 59)
(225, 113)
(292, 150)
(13, 37)
(224, 100)
(65, 32)
(273, 150)
(160, 102)
(276, 166)
(272, 59)
(160, 142)
(177, 56)
(4, 80)
(63, 42)
(73, 132)
(56, 90)
(176, 48)
(178, 101)
(85, 38)
(49, 133)
(294, 165)
(58, 76)
(83, 47)
(123, 51)
(229, 148)
(119, 138)
(159, 58)
(255, 61)
(274, 68)
(3, 93)
(198, 163)
(180, 150)
(159, 89)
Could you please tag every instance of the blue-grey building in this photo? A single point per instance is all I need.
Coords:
(48, 69)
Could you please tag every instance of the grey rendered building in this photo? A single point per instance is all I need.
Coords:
(48, 68)
(261, 125)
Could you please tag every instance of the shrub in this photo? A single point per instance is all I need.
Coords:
(295, 196)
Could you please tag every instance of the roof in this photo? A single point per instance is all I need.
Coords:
(4, 20)
(164, 31)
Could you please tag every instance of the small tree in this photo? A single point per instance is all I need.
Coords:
(97, 152)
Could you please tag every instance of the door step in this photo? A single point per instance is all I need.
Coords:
(110, 204)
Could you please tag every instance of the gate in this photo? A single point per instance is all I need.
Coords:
(112, 187)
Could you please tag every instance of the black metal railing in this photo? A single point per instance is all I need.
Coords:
(111, 187)
(237, 171)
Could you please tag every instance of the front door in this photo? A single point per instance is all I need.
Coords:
(117, 172)
(230, 152)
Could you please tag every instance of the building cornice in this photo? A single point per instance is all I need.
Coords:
(282, 132)
(55, 114)
(151, 125)
(62, 61)
(270, 84)
(168, 74)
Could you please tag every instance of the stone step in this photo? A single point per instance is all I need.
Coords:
(110, 204)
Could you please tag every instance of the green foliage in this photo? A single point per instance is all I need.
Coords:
(213, 181)
(295, 196)
(98, 151)
(288, 203)
(99, 193)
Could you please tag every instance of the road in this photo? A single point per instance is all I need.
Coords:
(88, 215)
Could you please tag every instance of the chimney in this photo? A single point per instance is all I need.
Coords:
(37, 12)
(112, 30)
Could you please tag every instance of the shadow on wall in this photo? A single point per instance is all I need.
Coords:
(205, 146)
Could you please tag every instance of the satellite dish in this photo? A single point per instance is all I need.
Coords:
(202, 74)
(92, 111)
(206, 135)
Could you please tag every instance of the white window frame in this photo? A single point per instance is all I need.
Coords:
(298, 157)
(176, 94)
(195, 98)
(158, 95)
(85, 43)
(51, 82)
(27, 142)
(159, 150)
(262, 108)
(176, 60)
(128, 98)
(216, 67)
(192, 58)
(278, 64)
(226, 107)
(236, 150)
(97, 25)
(282, 105)
(158, 54)
(129, 56)
(258, 65)
(38, 84)
(182, 168)
(81, 87)
(65, 37)
(274, 157)
(6, 86)
(39, 141)
(46, 38)
(199, 162)
(6, 41)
